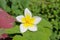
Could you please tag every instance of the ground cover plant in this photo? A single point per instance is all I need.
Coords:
(48, 10)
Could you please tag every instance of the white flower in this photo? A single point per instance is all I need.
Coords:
(28, 22)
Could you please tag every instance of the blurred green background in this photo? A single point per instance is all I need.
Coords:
(49, 10)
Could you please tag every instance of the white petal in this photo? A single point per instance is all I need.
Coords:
(27, 12)
(33, 28)
(22, 28)
(18, 18)
(37, 20)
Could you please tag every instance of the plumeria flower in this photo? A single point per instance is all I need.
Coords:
(28, 21)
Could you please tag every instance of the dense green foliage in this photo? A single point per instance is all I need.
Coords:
(49, 10)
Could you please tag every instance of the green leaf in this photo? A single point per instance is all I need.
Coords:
(3, 4)
(7, 9)
(19, 38)
(15, 29)
(24, 3)
(14, 2)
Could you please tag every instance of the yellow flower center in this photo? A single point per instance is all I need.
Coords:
(28, 21)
